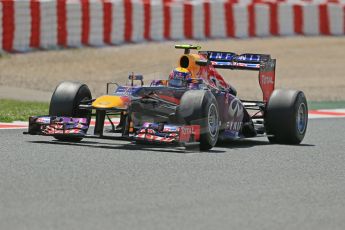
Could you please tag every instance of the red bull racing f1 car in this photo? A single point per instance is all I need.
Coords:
(193, 106)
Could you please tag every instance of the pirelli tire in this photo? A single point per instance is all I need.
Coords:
(200, 107)
(286, 117)
(65, 102)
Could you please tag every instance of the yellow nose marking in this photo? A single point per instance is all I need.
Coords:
(109, 101)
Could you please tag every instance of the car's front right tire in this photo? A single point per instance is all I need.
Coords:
(65, 102)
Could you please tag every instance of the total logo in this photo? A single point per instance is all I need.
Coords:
(266, 80)
(187, 130)
(235, 109)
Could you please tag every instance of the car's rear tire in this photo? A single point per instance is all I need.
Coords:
(200, 107)
(65, 102)
(286, 117)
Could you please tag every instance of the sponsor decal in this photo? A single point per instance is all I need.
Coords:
(235, 109)
(221, 56)
(246, 65)
(126, 90)
(169, 128)
(185, 133)
(266, 80)
(249, 57)
(189, 133)
(221, 63)
(236, 64)
(45, 120)
(234, 125)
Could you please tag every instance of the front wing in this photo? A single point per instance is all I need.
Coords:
(54, 126)
(155, 133)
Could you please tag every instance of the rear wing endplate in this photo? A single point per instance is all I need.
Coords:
(256, 62)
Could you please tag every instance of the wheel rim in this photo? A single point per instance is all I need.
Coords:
(301, 119)
(213, 120)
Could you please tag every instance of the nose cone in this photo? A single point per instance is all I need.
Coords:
(110, 101)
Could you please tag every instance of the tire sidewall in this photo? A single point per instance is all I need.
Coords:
(300, 99)
(65, 102)
(194, 110)
(281, 116)
(209, 103)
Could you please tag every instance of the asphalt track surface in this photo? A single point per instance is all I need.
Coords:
(105, 184)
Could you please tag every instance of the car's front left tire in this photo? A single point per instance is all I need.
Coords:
(200, 107)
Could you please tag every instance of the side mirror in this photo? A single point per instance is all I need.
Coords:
(136, 77)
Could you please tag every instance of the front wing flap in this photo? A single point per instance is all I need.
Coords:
(53, 125)
(168, 134)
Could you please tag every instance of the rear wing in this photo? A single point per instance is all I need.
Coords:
(256, 62)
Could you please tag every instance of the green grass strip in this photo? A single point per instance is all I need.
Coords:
(13, 110)
(326, 105)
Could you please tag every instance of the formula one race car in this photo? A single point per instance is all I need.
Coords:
(193, 106)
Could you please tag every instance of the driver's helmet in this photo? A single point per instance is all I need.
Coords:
(178, 77)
